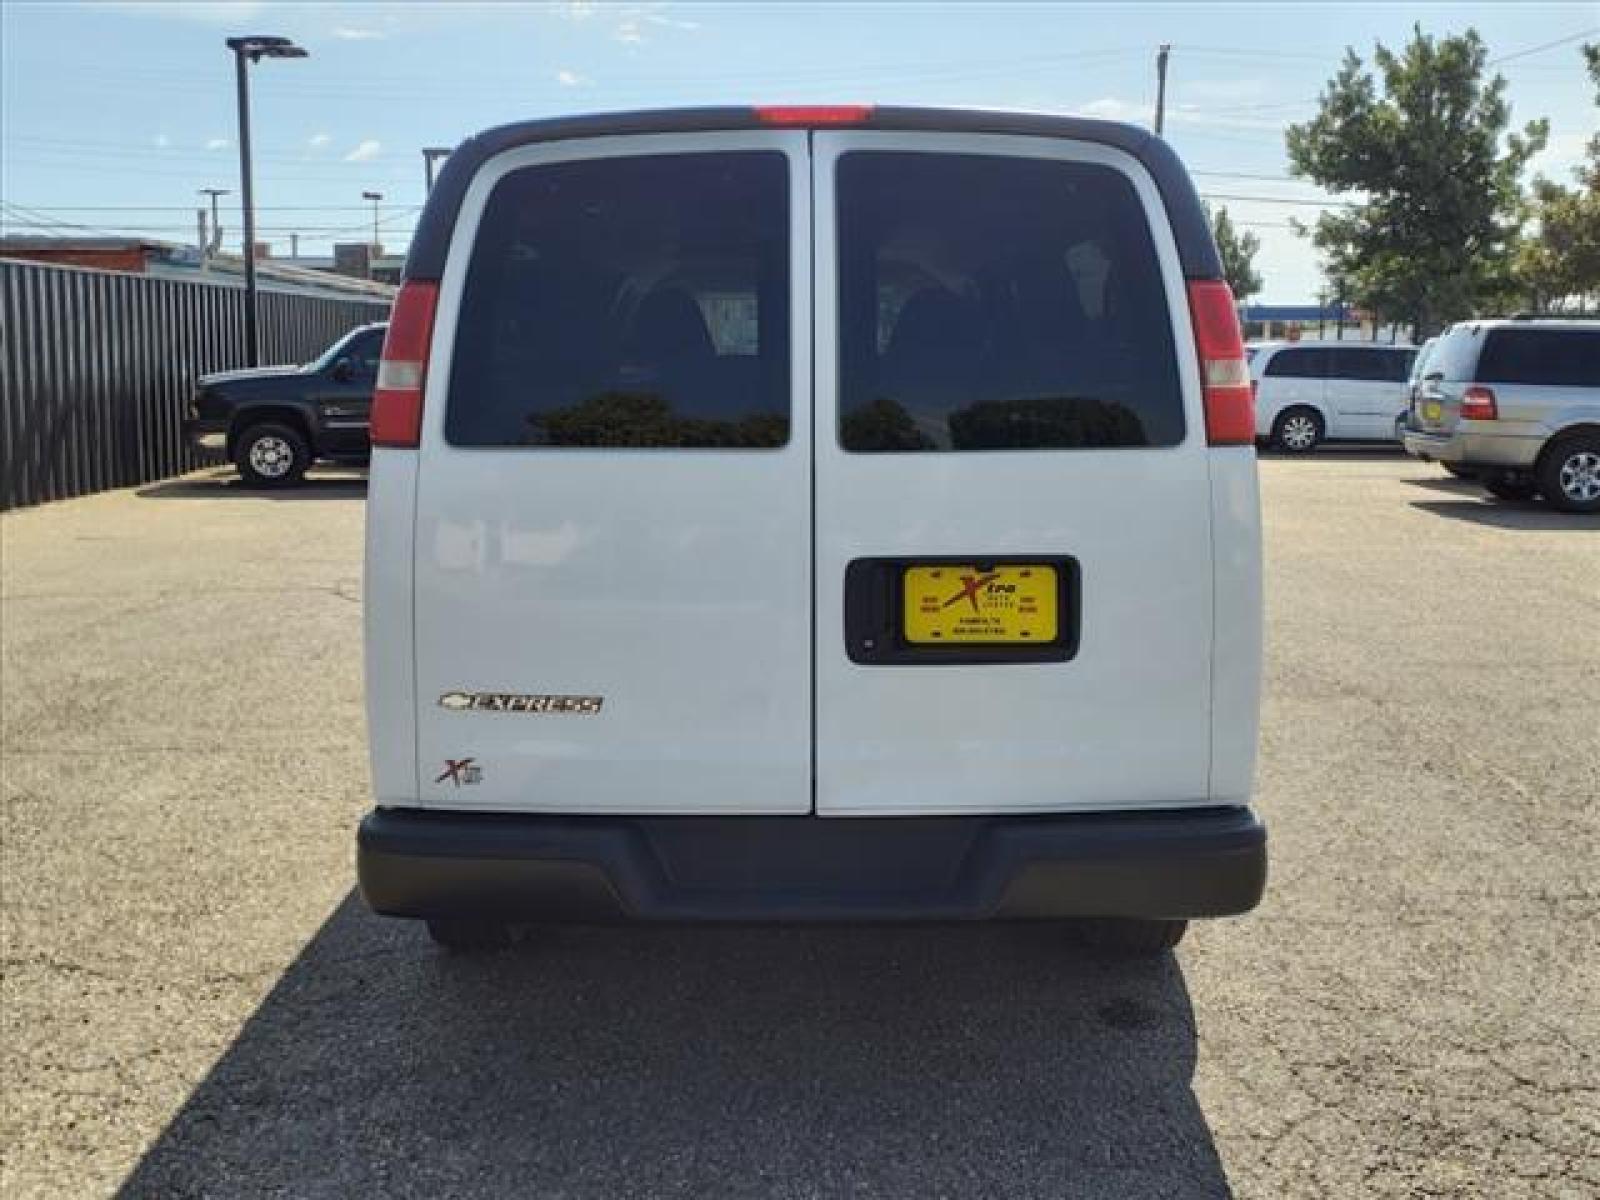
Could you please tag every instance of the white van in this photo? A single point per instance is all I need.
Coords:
(1310, 392)
(813, 513)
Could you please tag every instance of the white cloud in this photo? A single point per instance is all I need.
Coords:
(366, 151)
(351, 34)
(572, 79)
(320, 141)
(162, 141)
(576, 10)
(656, 18)
(1110, 108)
(217, 143)
(628, 31)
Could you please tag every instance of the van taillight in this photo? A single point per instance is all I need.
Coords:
(1225, 381)
(403, 370)
(1477, 404)
(813, 114)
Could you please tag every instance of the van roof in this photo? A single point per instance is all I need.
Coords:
(1192, 232)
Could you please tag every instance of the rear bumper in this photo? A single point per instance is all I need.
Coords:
(1172, 864)
(1474, 449)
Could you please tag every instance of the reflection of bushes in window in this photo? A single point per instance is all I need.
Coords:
(1053, 421)
(879, 426)
(646, 419)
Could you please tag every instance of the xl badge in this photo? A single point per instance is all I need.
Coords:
(513, 702)
(458, 771)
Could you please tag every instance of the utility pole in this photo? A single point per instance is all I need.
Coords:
(429, 153)
(1161, 85)
(207, 249)
(294, 246)
(247, 50)
(201, 239)
(375, 197)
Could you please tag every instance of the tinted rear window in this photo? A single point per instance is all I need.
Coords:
(991, 303)
(1300, 363)
(1389, 366)
(628, 302)
(1552, 357)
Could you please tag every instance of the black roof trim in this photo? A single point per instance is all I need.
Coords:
(1192, 232)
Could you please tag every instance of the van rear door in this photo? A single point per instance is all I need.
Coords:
(1013, 516)
(613, 504)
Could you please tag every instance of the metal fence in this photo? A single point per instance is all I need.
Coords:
(96, 369)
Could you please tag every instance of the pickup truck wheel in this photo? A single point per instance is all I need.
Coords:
(1569, 473)
(270, 455)
(1511, 489)
(1297, 430)
(460, 936)
(1129, 936)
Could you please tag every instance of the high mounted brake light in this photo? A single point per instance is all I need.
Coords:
(788, 115)
(1225, 382)
(403, 369)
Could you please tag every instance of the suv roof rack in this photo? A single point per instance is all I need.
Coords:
(1555, 316)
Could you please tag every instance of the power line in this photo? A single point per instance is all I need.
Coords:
(1281, 200)
(1540, 49)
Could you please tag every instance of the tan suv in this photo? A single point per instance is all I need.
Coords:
(1517, 404)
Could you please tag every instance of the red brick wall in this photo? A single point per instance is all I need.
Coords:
(131, 259)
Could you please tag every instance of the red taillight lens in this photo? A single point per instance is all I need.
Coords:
(403, 370)
(1224, 374)
(1477, 404)
(813, 114)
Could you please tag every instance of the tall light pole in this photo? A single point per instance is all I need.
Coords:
(246, 50)
(375, 197)
(216, 221)
(429, 153)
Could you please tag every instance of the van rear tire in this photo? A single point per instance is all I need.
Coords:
(1129, 936)
(458, 936)
(1298, 430)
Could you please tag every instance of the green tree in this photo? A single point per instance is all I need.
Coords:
(1238, 251)
(1427, 145)
(1561, 261)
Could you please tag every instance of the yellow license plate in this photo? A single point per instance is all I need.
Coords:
(959, 604)
(1432, 410)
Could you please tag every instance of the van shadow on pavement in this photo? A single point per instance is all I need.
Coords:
(770, 1061)
(224, 482)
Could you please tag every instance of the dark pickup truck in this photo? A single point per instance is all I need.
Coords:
(274, 422)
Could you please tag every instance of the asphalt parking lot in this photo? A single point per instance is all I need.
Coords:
(195, 1003)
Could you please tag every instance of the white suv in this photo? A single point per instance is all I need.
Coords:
(813, 514)
(1311, 392)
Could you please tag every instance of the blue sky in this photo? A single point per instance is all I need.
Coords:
(115, 114)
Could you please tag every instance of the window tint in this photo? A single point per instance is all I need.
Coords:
(628, 302)
(1455, 358)
(1300, 363)
(1388, 366)
(1420, 361)
(991, 303)
(1559, 357)
(364, 351)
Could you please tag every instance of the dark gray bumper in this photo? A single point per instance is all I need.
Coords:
(1171, 864)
